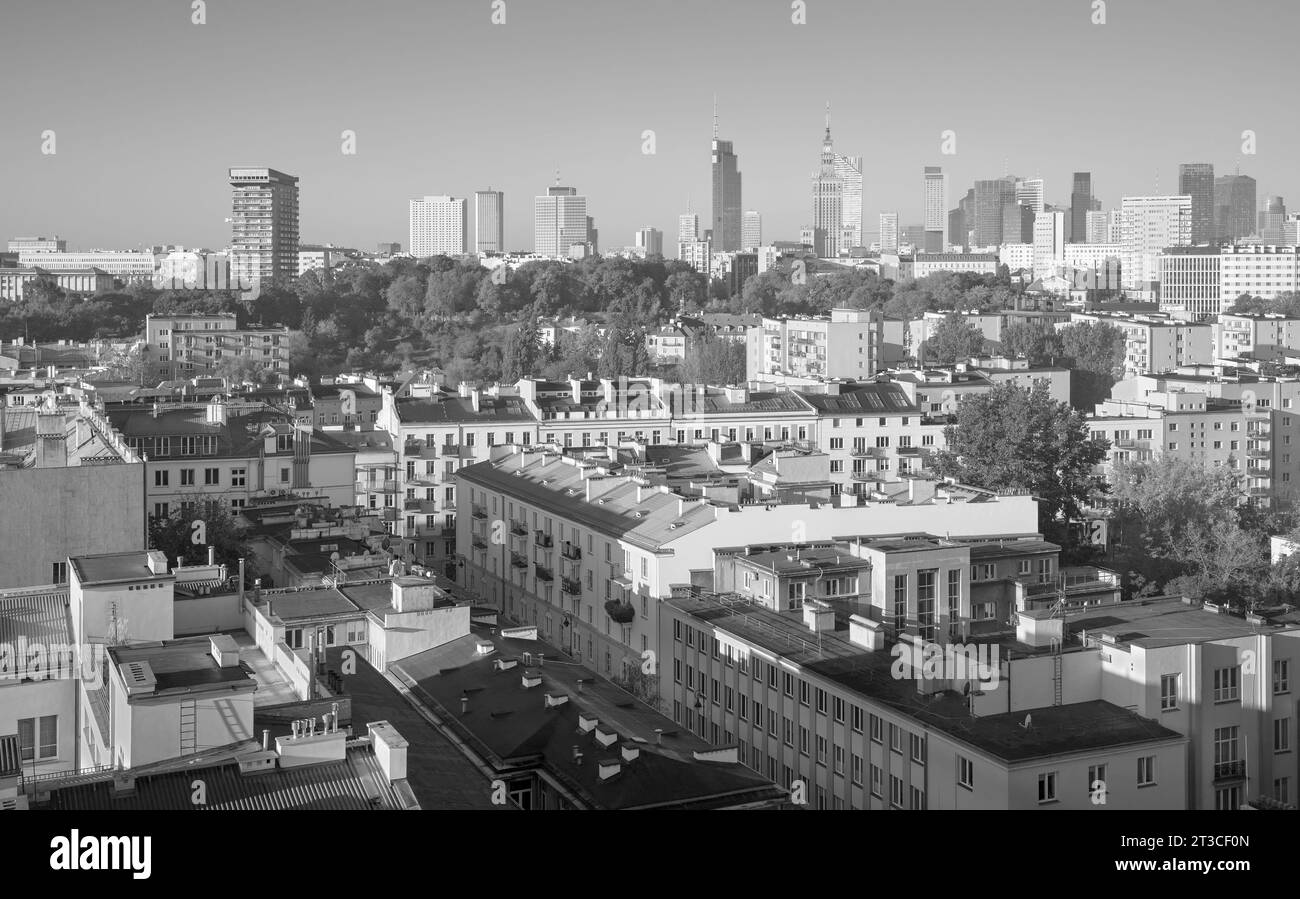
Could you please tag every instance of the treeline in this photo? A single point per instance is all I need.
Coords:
(482, 326)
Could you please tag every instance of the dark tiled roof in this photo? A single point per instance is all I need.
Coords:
(871, 399)
(461, 409)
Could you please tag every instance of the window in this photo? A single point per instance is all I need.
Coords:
(1146, 770)
(1168, 692)
(1096, 780)
(896, 738)
(877, 730)
(1281, 734)
(1226, 684)
(211, 476)
(965, 773)
(821, 701)
(821, 750)
(238, 477)
(1281, 676)
(1227, 799)
(918, 799)
(803, 692)
(787, 683)
(918, 748)
(38, 738)
(857, 719)
(1225, 752)
(857, 769)
(895, 791)
(787, 734)
(839, 754)
(877, 780)
(1282, 789)
(837, 709)
(160, 478)
(1047, 787)
(59, 573)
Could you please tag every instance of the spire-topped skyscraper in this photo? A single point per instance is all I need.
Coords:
(727, 208)
(837, 199)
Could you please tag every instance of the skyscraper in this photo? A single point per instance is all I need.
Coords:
(1148, 225)
(936, 209)
(1271, 220)
(559, 221)
(489, 221)
(1196, 180)
(828, 199)
(1096, 226)
(688, 231)
(751, 231)
(1234, 207)
(264, 225)
(1080, 204)
(651, 240)
(849, 170)
(438, 226)
(1049, 242)
(726, 193)
(889, 232)
(1029, 192)
(991, 198)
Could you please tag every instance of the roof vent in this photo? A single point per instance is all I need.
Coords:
(607, 768)
(586, 723)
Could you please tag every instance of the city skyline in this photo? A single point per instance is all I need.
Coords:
(360, 199)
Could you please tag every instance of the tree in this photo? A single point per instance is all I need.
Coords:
(953, 340)
(175, 535)
(1035, 341)
(1095, 352)
(712, 360)
(521, 352)
(1015, 438)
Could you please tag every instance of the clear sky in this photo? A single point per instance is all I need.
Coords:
(150, 110)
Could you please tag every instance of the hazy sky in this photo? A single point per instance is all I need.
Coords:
(149, 110)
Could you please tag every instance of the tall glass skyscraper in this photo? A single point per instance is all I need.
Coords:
(726, 222)
(936, 209)
(489, 221)
(1196, 180)
(1080, 206)
(1234, 207)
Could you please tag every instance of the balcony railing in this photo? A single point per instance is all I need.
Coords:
(387, 486)
(543, 573)
(1234, 770)
(570, 586)
(479, 542)
(518, 529)
(518, 560)
(571, 552)
(544, 540)
(479, 512)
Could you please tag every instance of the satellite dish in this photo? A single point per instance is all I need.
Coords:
(334, 556)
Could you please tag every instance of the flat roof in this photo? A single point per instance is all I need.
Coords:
(107, 568)
(185, 665)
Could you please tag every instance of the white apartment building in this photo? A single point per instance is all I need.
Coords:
(1016, 256)
(1266, 337)
(439, 226)
(1049, 242)
(1156, 344)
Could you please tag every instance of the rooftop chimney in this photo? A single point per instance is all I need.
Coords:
(156, 561)
(390, 749)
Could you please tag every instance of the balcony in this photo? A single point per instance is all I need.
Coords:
(620, 612)
(864, 475)
(518, 529)
(1234, 770)
(571, 552)
(518, 560)
(390, 514)
(479, 512)
(479, 542)
(543, 539)
(570, 586)
(867, 452)
(412, 448)
(909, 450)
(543, 573)
(386, 486)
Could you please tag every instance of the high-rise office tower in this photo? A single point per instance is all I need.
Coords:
(559, 221)
(1080, 205)
(1234, 207)
(966, 205)
(849, 170)
(889, 232)
(1148, 226)
(651, 240)
(936, 209)
(726, 193)
(1271, 219)
(1095, 228)
(593, 235)
(438, 226)
(957, 227)
(991, 199)
(1115, 226)
(1049, 242)
(489, 221)
(264, 225)
(828, 199)
(1196, 180)
(751, 231)
(688, 231)
(1029, 192)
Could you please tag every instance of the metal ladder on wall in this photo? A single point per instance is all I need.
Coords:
(189, 727)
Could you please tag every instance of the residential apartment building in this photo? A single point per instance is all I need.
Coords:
(1154, 343)
(845, 344)
(183, 345)
(438, 436)
(588, 555)
(1260, 337)
(439, 226)
(229, 453)
(1148, 226)
(264, 225)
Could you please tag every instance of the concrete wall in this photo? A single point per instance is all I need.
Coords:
(154, 731)
(53, 513)
(36, 699)
(208, 614)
